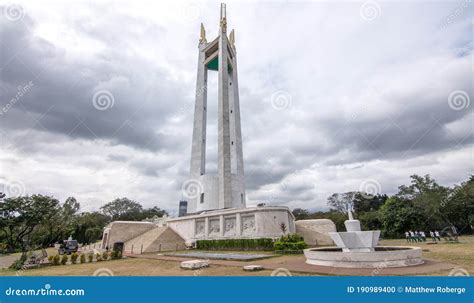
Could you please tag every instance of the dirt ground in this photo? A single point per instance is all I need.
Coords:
(441, 259)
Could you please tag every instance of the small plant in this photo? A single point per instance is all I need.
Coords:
(291, 243)
(105, 255)
(83, 258)
(50, 259)
(98, 257)
(74, 257)
(90, 257)
(283, 228)
(56, 260)
(116, 254)
(17, 264)
(64, 259)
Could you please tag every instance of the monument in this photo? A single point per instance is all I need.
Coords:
(358, 249)
(226, 188)
(217, 208)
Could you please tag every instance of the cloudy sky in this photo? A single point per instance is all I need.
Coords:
(96, 97)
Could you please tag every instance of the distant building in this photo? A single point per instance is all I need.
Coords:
(183, 208)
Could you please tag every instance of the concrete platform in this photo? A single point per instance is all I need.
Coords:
(381, 257)
(253, 267)
(221, 256)
(194, 264)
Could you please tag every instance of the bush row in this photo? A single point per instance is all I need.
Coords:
(236, 244)
(62, 260)
(290, 247)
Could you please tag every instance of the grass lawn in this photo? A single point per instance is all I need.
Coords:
(460, 254)
(134, 267)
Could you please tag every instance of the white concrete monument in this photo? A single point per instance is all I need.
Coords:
(358, 249)
(226, 188)
(217, 208)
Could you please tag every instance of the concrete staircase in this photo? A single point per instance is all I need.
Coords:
(155, 240)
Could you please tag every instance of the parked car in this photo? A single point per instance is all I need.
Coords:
(68, 247)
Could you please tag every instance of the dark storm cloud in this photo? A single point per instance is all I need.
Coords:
(61, 100)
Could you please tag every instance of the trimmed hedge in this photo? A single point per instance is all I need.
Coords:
(236, 244)
(292, 244)
(289, 247)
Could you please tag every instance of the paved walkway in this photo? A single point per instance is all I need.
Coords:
(220, 256)
(7, 260)
(297, 264)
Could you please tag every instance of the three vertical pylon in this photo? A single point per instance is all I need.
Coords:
(226, 190)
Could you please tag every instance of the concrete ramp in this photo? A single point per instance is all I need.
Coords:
(155, 240)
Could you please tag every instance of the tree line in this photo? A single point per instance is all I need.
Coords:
(29, 222)
(421, 205)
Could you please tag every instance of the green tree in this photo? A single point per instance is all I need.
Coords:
(398, 215)
(58, 225)
(20, 216)
(458, 207)
(427, 196)
(152, 212)
(123, 209)
(88, 225)
(300, 213)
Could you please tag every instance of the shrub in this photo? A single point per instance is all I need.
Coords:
(18, 264)
(90, 257)
(83, 258)
(50, 259)
(74, 257)
(290, 247)
(116, 254)
(291, 238)
(236, 244)
(56, 260)
(98, 257)
(291, 243)
(64, 259)
(105, 255)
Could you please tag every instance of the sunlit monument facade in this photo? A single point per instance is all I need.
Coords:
(225, 189)
(217, 209)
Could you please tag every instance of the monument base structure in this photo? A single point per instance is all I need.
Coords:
(179, 233)
(250, 223)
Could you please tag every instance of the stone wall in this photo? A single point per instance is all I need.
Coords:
(252, 222)
(155, 240)
(122, 231)
(315, 232)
